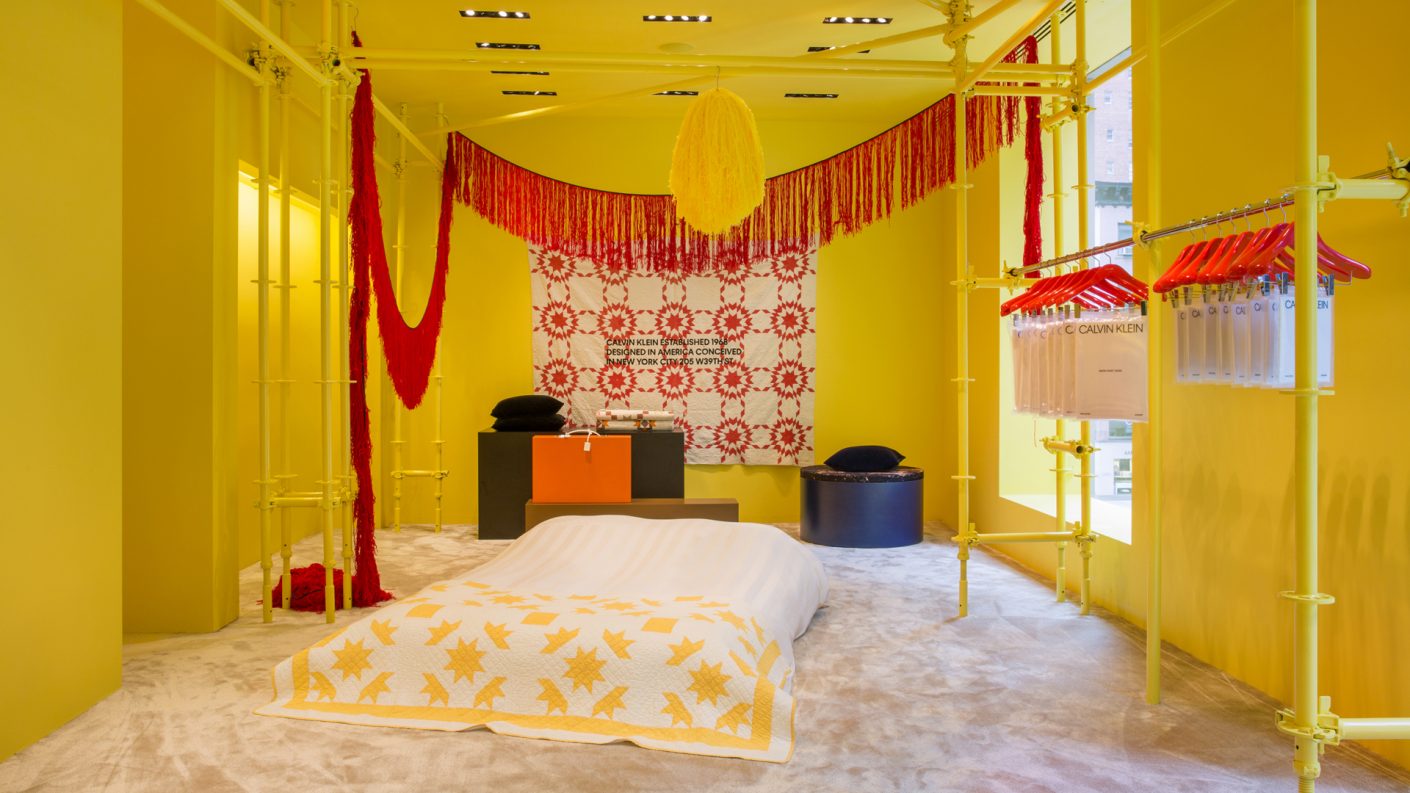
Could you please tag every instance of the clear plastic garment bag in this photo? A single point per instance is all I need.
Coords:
(1235, 312)
(1079, 346)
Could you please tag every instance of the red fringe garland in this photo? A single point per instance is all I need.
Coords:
(835, 197)
(401, 344)
(1033, 154)
(410, 350)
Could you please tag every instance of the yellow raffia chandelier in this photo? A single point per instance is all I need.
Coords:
(717, 169)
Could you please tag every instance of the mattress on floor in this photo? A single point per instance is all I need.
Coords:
(674, 635)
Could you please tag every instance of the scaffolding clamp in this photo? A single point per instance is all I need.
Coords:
(1394, 188)
(1316, 598)
(1074, 448)
(1326, 732)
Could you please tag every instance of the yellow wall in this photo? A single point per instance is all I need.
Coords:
(60, 346)
(179, 331)
(1228, 462)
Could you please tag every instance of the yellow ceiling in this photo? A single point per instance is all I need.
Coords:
(776, 28)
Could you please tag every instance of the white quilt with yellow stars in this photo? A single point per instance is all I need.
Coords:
(674, 635)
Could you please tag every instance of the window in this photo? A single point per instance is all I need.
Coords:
(1025, 470)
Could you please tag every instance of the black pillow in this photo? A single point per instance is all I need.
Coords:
(527, 405)
(865, 459)
(549, 423)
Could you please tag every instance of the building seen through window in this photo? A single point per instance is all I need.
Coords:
(1110, 137)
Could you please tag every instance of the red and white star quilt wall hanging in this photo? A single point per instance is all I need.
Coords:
(731, 353)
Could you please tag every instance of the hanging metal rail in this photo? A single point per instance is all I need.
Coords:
(1249, 210)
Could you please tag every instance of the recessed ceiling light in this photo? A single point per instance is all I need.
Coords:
(500, 45)
(857, 20)
(810, 96)
(495, 14)
(825, 49)
(677, 18)
(503, 71)
(529, 93)
(676, 93)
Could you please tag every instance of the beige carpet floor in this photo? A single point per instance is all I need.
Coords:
(893, 695)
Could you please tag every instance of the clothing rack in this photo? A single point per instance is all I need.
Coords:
(1281, 202)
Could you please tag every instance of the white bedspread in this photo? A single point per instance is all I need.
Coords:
(673, 635)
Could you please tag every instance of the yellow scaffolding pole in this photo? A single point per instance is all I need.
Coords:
(958, 14)
(265, 481)
(346, 480)
(1155, 321)
(398, 443)
(325, 294)
(286, 190)
(1083, 535)
(1306, 598)
(400, 261)
(1060, 469)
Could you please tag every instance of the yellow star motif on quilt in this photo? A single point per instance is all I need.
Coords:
(498, 635)
(584, 669)
(554, 697)
(709, 682)
(326, 689)
(557, 640)
(376, 688)
(352, 659)
(684, 650)
(492, 690)
(610, 703)
(733, 718)
(383, 630)
(465, 660)
(434, 690)
(677, 710)
(508, 599)
(619, 605)
(446, 628)
(731, 618)
(619, 643)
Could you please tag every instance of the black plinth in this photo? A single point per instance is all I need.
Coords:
(507, 469)
(861, 510)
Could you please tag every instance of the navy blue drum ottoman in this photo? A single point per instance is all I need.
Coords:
(876, 509)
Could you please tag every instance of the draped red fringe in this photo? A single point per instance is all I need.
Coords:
(369, 262)
(835, 197)
(1033, 155)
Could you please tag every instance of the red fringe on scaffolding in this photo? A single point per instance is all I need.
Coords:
(1033, 154)
(835, 197)
(369, 262)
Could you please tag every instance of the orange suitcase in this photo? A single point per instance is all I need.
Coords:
(595, 469)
